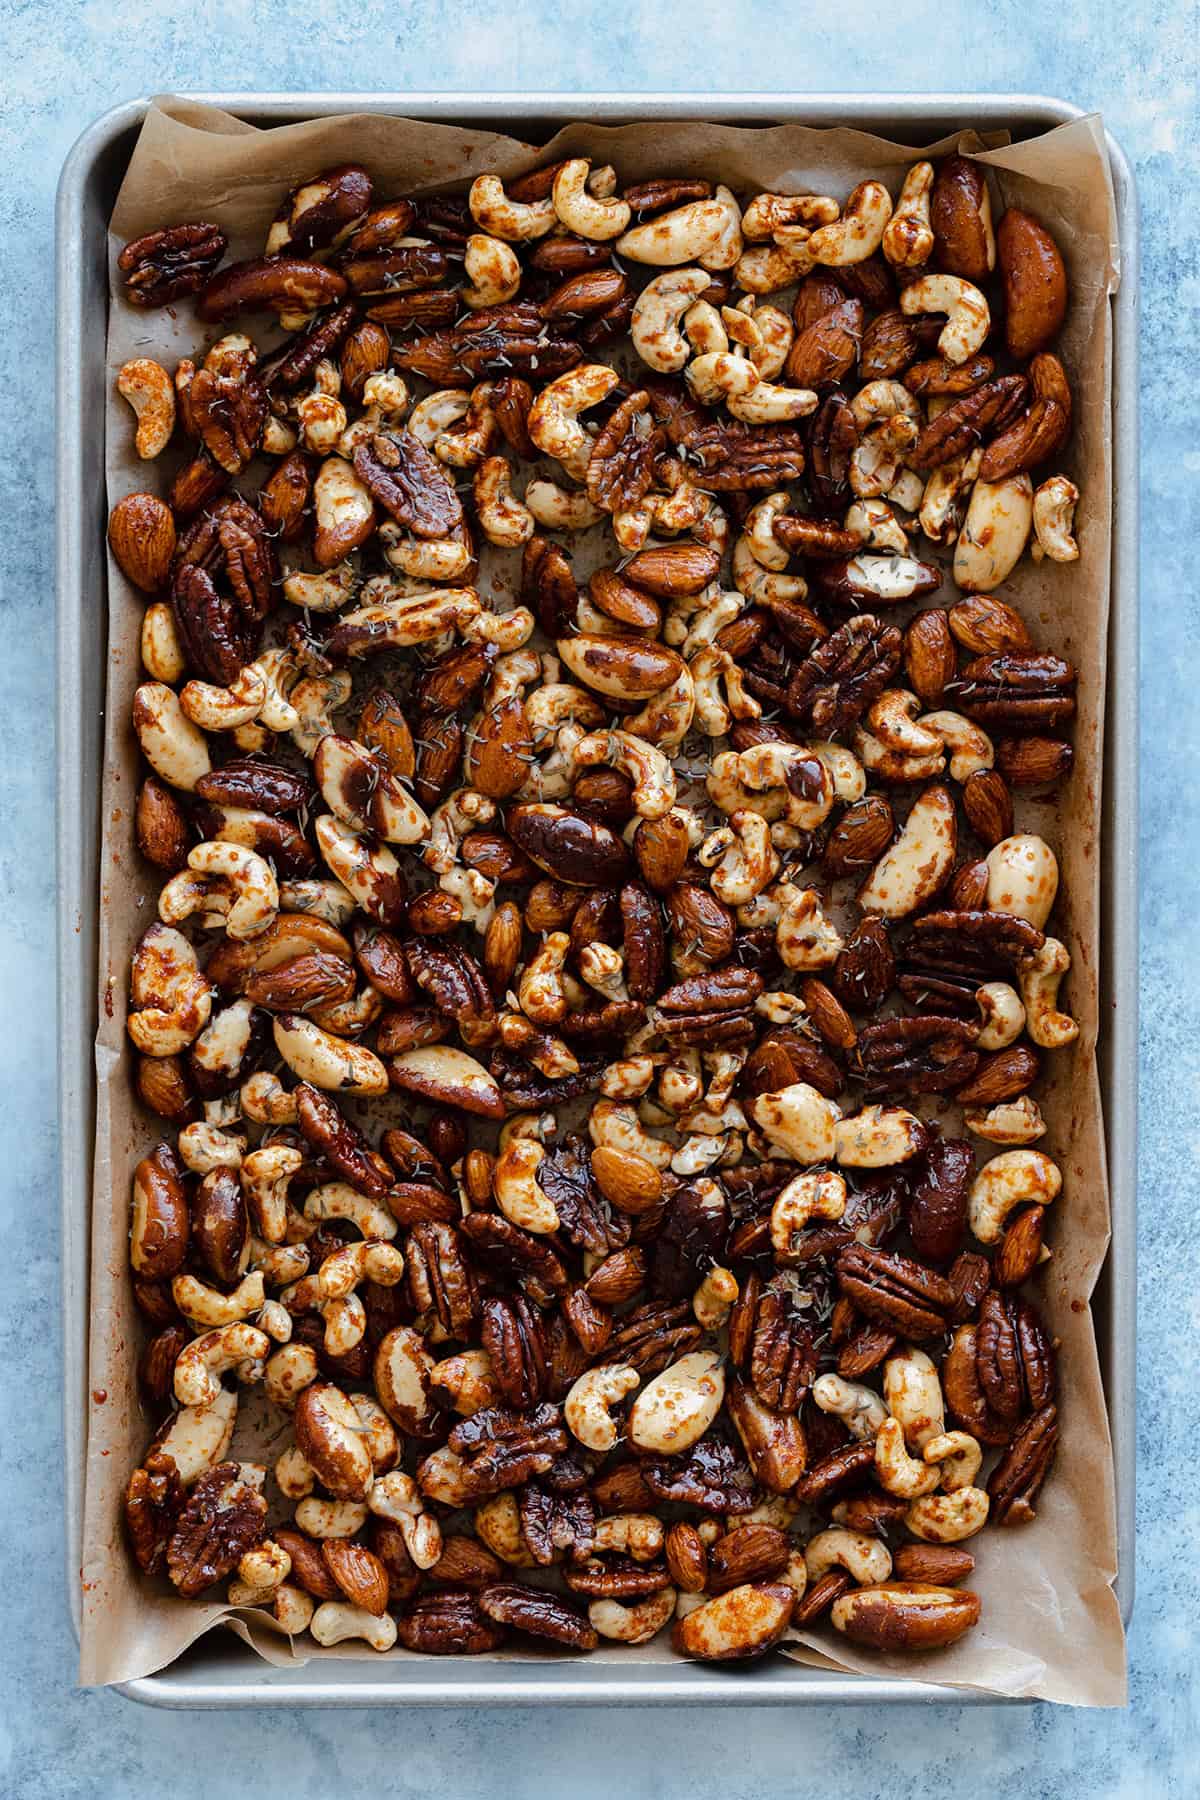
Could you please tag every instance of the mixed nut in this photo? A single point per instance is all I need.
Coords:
(557, 1005)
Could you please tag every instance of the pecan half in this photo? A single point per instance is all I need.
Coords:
(1016, 1481)
(968, 420)
(838, 680)
(771, 1343)
(918, 1054)
(537, 1613)
(222, 1518)
(438, 1276)
(511, 1333)
(1015, 691)
(502, 1246)
(555, 1523)
(153, 1500)
(895, 1291)
(584, 1214)
(166, 265)
(501, 1448)
(456, 984)
(448, 1623)
(409, 483)
(709, 1476)
(842, 1468)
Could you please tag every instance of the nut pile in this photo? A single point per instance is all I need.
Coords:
(671, 908)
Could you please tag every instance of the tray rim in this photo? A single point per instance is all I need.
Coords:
(522, 1683)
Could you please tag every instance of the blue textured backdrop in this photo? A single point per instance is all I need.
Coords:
(64, 63)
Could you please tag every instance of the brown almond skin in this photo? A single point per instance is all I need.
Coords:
(1001, 1076)
(499, 750)
(1033, 761)
(1035, 283)
(628, 1181)
(163, 1086)
(826, 352)
(141, 536)
(358, 1573)
(1020, 1248)
(309, 1568)
(985, 625)
(161, 826)
(661, 849)
(903, 1615)
(668, 570)
(956, 212)
(941, 1564)
(988, 805)
(364, 353)
(930, 658)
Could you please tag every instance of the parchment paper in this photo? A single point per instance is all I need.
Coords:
(1050, 1624)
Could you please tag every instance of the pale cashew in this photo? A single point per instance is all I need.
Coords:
(170, 1000)
(657, 312)
(866, 1559)
(1014, 1178)
(859, 1407)
(515, 221)
(969, 745)
(741, 857)
(260, 1573)
(710, 670)
(1041, 974)
(913, 869)
(908, 236)
(633, 1622)
(326, 900)
(704, 329)
(386, 392)
(162, 652)
(768, 267)
(255, 896)
(913, 1391)
(188, 894)
(707, 232)
(265, 1100)
(468, 1379)
(335, 1620)
(805, 1198)
(503, 520)
(958, 1455)
(435, 415)
(465, 447)
(649, 770)
(288, 1373)
(776, 336)
(515, 1185)
(204, 1307)
(766, 404)
(497, 1521)
(316, 698)
(845, 770)
(994, 533)
(897, 1471)
(617, 1127)
(395, 1496)
(878, 1137)
(943, 497)
(424, 559)
(759, 533)
(338, 1200)
(474, 893)
(170, 742)
(666, 718)
(892, 718)
(804, 937)
(676, 1408)
(586, 1408)
(714, 1299)
(201, 1363)
(798, 1120)
(553, 418)
(323, 592)
(560, 509)
(968, 320)
(718, 376)
(693, 620)
(768, 213)
(859, 231)
(149, 390)
(1054, 506)
(462, 811)
(757, 780)
(580, 211)
(326, 1061)
(1022, 878)
(1017, 1121)
(948, 1518)
(331, 1518)
(1002, 1014)
(541, 994)
(348, 1268)
(603, 968)
(198, 1437)
(559, 703)
(492, 269)
(203, 1148)
(322, 419)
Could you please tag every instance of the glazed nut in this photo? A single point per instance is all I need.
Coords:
(906, 1615)
(708, 232)
(335, 1621)
(948, 1518)
(898, 1472)
(858, 1407)
(201, 1363)
(587, 1407)
(1022, 878)
(581, 211)
(968, 319)
(994, 533)
(858, 234)
(867, 1559)
(1054, 504)
(328, 1062)
(913, 869)
(805, 1198)
(1014, 1178)
(515, 1185)
(633, 1621)
(151, 393)
(515, 221)
(492, 269)
(677, 1407)
(908, 236)
(657, 312)
(913, 1393)
(799, 1120)
(1040, 974)
(878, 1137)
(745, 1621)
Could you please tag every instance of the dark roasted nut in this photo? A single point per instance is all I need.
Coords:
(983, 623)
(938, 376)
(842, 1468)
(895, 1291)
(537, 1613)
(1035, 283)
(438, 1276)
(889, 345)
(408, 482)
(1036, 1351)
(929, 656)
(970, 1275)
(998, 1357)
(864, 1351)
(921, 1054)
(270, 284)
(158, 1232)
(220, 1225)
(341, 1144)
(836, 683)
(358, 1574)
(620, 468)
(961, 215)
(296, 363)
(747, 1553)
(364, 352)
(457, 986)
(512, 1336)
(262, 786)
(988, 805)
(222, 1517)
(553, 1523)
(284, 497)
(865, 970)
(161, 825)
(196, 486)
(661, 849)
(501, 1448)
(816, 1601)
(937, 1207)
(772, 1344)
(1021, 1248)
(167, 265)
(709, 1476)
(827, 1015)
(573, 849)
(832, 439)
(1016, 1481)
(616, 1578)
(859, 838)
(442, 1623)
(465, 1562)
(141, 536)
(774, 1441)
(548, 586)
(499, 748)
(942, 1564)
(651, 1336)
(163, 1086)
(968, 420)
(906, 1615)
(1033, 761)
(302, 982)
(824, 353)
(964, 1396)
(871, 1510)
(153, 1500)
(512, 339)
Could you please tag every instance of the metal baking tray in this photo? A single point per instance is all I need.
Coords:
(219, 1671)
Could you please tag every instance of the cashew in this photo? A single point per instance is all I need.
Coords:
(170, 742)
(316, 699)
(580, 211)
(493, 272)
(714, 1298)
(288, 1373)
(913, 869)
(859, 231)
(1054, 506)
(515, 221)
(1040, 975)
(769, 267)
(657, 312)
(149, 390)
(201, 1363)
(908, 237)
(892, 718)
(958, 1455)
(866, 1559)
(878, 1137)
(741, 858)
(948, 1518)
(896, 1470)
(710, 669)
(969, 745)
(757, 780)
(913, 1392)
(331, 1518)
(334, 1621)
(666, 718)
(255, 901)
(799, 1121)
(618, 1127)
(560, 509)
(326, 1061)
(587, 1405)
(968, 320)
(804, 937)
(649, 770)
(396, 1497)
(264, 1099)
(767, 213)
(707, 232)
(170, 1000)
(603, 968)
(203, 1148)
(1017, 1121)
(260, 1572)
(326, 900)
(766, 404)
(1002, 1014)
(204, 1307)
(858, 1407)
(633, 1622)
(198, 1437)
(553, 418)
(497, 1523)
(941, 505)
(541, 993)
(994, 533)
(1022, 878)
(1014, 1178)
(338, 1200)
(515, 1185)
(805, 1198)
(676, 1408)
(503, 520)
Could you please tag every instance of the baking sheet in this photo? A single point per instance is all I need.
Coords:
(1063, 177)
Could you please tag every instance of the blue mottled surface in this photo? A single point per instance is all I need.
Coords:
(64, 63)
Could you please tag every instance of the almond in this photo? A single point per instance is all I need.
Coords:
(859, 838)
(816, 296)
(364, 353)
(961, 215)
(968, 888)
(623, 602)
(626, 1180)
(942, 1564)
(983, 624)
(359, 1574)
(1035, 283)
(499, 750)
(619, 1277)
(141, 535)
(829, 1017)
(1033, 761)
(747, 1553)
(161, 825)
(825, 353)
(687, 1558)
(669, 570)
(1001, 1076)
(929, 655)
(465, 1562)
(1018, 1254)
(988, 805)
(661, 849)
